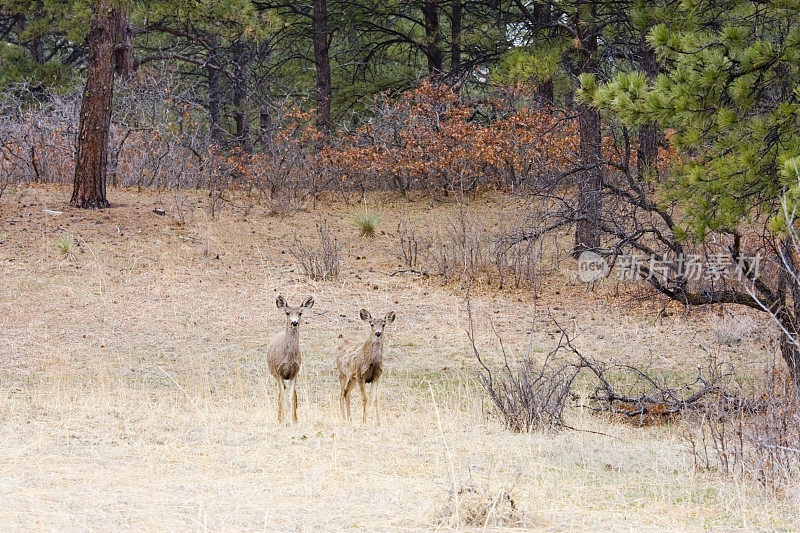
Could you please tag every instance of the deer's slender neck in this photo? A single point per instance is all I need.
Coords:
(374, 346)
(292, 337)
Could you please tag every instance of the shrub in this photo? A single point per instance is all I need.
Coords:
(757, 437)
(413, 250)
(473, 505)
(527, 395)
(322, 261)
(431, 138)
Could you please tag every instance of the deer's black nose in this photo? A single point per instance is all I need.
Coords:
(294, 323)
(377, 333)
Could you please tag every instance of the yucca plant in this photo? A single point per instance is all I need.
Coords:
(366, 222)
(66, 246)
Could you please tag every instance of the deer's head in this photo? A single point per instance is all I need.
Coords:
(293, 314)
(377, 324)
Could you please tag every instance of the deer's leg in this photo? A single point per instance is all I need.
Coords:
(293, 396)
(374, 394)
(280, 400)
(342, 385)
(363, 401)
(346, 395)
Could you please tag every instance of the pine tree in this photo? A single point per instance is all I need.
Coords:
(729, 93)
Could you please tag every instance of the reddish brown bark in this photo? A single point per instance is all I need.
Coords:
(323, 65)
(110, 48)
(123, 49)
(590, 195)
(91, 157)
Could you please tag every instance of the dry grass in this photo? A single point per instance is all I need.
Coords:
(133, 391)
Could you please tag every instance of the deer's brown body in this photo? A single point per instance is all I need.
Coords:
(361, 362)
(283, 354)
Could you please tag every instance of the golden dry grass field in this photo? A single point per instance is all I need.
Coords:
(134, 394)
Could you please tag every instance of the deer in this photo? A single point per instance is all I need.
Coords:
(283, 353)
(362, 362)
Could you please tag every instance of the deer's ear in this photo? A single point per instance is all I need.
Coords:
(365, 315)
(280, 302)
(309, 303)
(390, 317)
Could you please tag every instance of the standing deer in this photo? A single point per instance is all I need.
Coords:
(362, 363)
(283, 353)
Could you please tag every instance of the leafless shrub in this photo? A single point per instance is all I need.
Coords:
(753, 433)
(216, 200)
(5, 180)
(462, 250)
(319, 262)
(284, 203)
(36, 134)
(156, 136)
(761, 442)
(466, 250)
(475, 504)
(516, 260)
(413, 249)
(528, 395)
(184, 209)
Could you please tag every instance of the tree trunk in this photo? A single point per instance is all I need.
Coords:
(433, 38)
(265, 119)
(323, 66)
(791, 355)
(569, 100)
(455, 37)
(123, 50)
(241, 112)
(214, 113)
(590, 195)
(542, 13)
(91, 152)
(265, 129)
(647, 152)
(36, 49)
(788, 287)
(544, 93)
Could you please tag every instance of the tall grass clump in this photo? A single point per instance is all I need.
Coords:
(66, 246)
(366, 223)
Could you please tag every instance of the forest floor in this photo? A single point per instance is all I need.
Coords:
(134, 393)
